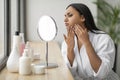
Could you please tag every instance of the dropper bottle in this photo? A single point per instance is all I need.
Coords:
(25, 64)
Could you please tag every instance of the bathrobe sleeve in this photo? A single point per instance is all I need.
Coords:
(106, 51)
(72, 68)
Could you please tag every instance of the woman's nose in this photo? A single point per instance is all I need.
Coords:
(65, 19)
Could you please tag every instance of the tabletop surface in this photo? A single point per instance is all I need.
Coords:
(54, 56)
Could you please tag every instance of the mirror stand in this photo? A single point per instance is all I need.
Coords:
(47, 64)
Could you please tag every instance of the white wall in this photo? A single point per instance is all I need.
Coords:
(54, 8)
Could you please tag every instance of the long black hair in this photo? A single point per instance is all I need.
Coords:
(85, 11)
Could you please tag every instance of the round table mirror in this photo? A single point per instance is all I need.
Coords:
(47, 31)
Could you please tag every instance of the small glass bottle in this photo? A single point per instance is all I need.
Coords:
(22, 45)
(30, 51)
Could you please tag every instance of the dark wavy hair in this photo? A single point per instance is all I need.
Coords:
(85, 11)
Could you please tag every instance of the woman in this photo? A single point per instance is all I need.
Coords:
(88, 52)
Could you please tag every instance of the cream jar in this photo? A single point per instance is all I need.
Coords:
(38, 69)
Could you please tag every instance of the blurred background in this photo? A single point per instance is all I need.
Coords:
(25, 14)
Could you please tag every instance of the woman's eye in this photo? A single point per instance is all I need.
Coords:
(70, 15)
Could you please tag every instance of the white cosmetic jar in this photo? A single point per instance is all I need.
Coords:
(38, 69)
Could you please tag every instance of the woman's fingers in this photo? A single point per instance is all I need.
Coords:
(69, 36)
(65, 37)
(79, 29)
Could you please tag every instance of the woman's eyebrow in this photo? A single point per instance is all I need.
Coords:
(68, 13)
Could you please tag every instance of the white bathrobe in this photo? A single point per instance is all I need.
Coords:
(82, 69)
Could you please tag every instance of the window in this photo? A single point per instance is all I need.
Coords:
(4, 31)
(5, 26)
(2, 53)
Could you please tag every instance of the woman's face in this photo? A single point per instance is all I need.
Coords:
(73, 17)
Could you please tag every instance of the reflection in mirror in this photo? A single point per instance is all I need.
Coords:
(47, 31)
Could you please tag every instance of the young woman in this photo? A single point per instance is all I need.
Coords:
(88, 52)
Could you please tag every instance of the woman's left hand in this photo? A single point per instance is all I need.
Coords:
(81, 33)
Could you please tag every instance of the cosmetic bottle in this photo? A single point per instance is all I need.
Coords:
(22, 44)
(12, 62)
(25, 64)
(30, 51)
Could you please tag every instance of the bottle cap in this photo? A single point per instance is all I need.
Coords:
(27, 45)
(17, 33)
(25, 53)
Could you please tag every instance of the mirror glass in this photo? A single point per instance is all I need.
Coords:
(47, 28)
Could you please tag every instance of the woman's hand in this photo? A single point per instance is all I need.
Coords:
(81, 33)
(69, 39)
(83, 37)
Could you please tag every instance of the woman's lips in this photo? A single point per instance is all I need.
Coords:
(66, 24)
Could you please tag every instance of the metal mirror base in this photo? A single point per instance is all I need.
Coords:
(50, 65)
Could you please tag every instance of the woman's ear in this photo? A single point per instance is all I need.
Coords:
(82, 18)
